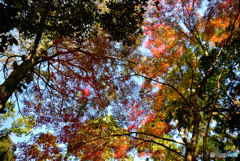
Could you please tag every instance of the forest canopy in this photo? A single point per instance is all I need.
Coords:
(77, 68)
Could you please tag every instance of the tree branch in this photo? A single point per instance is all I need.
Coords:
(157, 137)
(152, 141)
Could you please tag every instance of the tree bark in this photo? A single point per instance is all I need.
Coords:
(204, 148)
(17, 76)
(191, 147)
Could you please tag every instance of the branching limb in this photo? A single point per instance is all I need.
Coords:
(166, 139)
(152, 141)
(166, 84)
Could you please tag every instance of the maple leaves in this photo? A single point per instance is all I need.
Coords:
(76, 90)
(216, 25)
(73, 75)
(49, 20)
(86, 92)
(88, 137)
(180, 37)
(183, 82)
(44, 147)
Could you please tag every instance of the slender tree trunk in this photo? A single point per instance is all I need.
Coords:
(188, 155)
(204, 148)
(191, 147)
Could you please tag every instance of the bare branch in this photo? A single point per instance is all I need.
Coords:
(166, 139)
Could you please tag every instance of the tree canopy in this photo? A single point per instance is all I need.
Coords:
(79, 71)
(76, 20)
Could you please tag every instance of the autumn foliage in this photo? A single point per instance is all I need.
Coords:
(177, 95)
(181, 35)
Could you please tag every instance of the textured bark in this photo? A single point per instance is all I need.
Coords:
(191, 147)
(188, 155)
(204, 148)
(17, 76)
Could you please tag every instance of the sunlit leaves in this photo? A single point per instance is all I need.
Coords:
(19, 126)
(83, 82)
(44, 147)
(77, 89)
(185, 40)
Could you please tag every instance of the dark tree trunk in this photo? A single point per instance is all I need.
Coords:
(17, 76)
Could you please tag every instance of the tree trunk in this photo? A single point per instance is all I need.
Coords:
(204, 148)
(12, 82)
(191, 147)
(19, 73)
(189, 154)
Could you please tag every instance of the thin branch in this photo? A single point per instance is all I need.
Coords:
(224, 100)
(158, 137)
(53, 87)
(152, 141)
(166, 84)
(83, 143)
(219, 77)
(218, 93)
(102, 148)
(223, 113)
(19, 105)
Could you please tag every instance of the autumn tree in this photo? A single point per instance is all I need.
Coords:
(193, 69)
(64, 56)
(190, 82)
(42, 22)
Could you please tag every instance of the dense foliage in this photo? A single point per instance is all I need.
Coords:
(100, 97)
(7, 148)
(44, 21)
